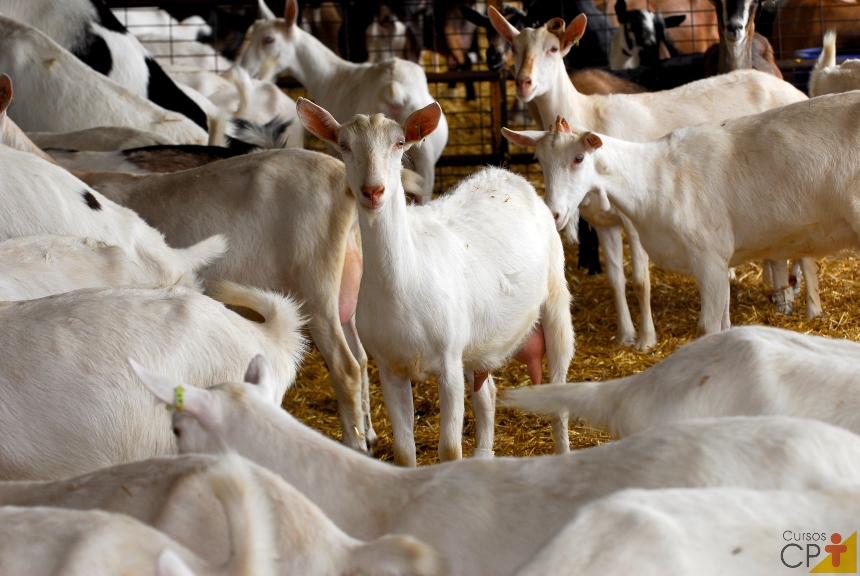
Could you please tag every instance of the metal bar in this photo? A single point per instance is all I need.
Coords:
(168, 3)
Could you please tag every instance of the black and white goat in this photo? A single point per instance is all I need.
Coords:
(641, 38)
(90, 31)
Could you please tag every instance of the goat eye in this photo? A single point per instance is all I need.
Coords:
(343, 146)
(268, 39)
(579, 159)
(400, 143)
(554, 49)
(176, 432)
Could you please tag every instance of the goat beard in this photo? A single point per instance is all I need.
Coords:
(571, 229)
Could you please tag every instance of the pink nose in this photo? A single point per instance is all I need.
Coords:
(556, 215)
(524, 82)
(372, 193)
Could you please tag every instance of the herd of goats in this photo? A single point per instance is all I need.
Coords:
(166, 243)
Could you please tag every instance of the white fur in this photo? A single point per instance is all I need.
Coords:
(747, 371)
(702, 202)
(292, 227)
(827, 77)
(175, 496)
(708, 532)
(38, 266)
(41, 540)
(56, 92)
(506, 509)
(635, 117)
(64, 367)
(455, 286)
(394, 87)
(169, 51)
(40, 198)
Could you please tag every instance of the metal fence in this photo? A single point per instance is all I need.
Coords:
(474, 138)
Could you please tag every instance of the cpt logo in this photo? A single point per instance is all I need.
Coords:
(802, 549)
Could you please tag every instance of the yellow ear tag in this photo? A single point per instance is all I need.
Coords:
(576, 42)
(418, 129)
(179, 401)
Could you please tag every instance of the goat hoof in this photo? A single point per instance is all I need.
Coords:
(482, 453)
(370, 439)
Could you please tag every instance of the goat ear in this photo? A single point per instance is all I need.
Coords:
(193, 399)
(291, 12)
(169, 563)
(422, 123)
(502, 26)
(5, 93)
(318, 121)
(261, 373)
(620, 11)
(593, 140)
(525, 138)
(573, 33)
(674, 21)
(474, 17)
(264, 12)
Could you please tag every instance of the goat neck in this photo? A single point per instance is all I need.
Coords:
(355, 491)
(631, 175)
(316, 66)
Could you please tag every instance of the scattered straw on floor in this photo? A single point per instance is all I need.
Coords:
(675, 303)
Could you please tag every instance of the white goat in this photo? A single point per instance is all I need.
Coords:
(827, 77)
(723, 208)
(41, 540)
(707, 532)
(505, 508)
(541, 77)
(174, 495)
(75, 395)
(40, 198)
(59, 93)
(485, 260)
(38, 266)
(292, 225)
(394, 87)
(93, 35)
(747, 371)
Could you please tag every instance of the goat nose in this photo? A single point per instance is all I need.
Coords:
(524, 81)
(372, 193)
(555, 216)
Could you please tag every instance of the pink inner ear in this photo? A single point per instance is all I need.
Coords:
(422, 122)
(575, 30)
(594, 140)
(319, 122)
(290, 12)
(501, 24)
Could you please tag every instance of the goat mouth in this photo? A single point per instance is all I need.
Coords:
(734, 38)
(561, 222)
(525, 94)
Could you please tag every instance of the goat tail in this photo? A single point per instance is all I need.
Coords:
(826, 59)
(555, 316)
(828, 51)
(242, 81)
(249, 517)
(592, 401)
(282, 316)
(204, 252)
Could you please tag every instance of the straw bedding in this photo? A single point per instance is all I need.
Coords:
(675, 303)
